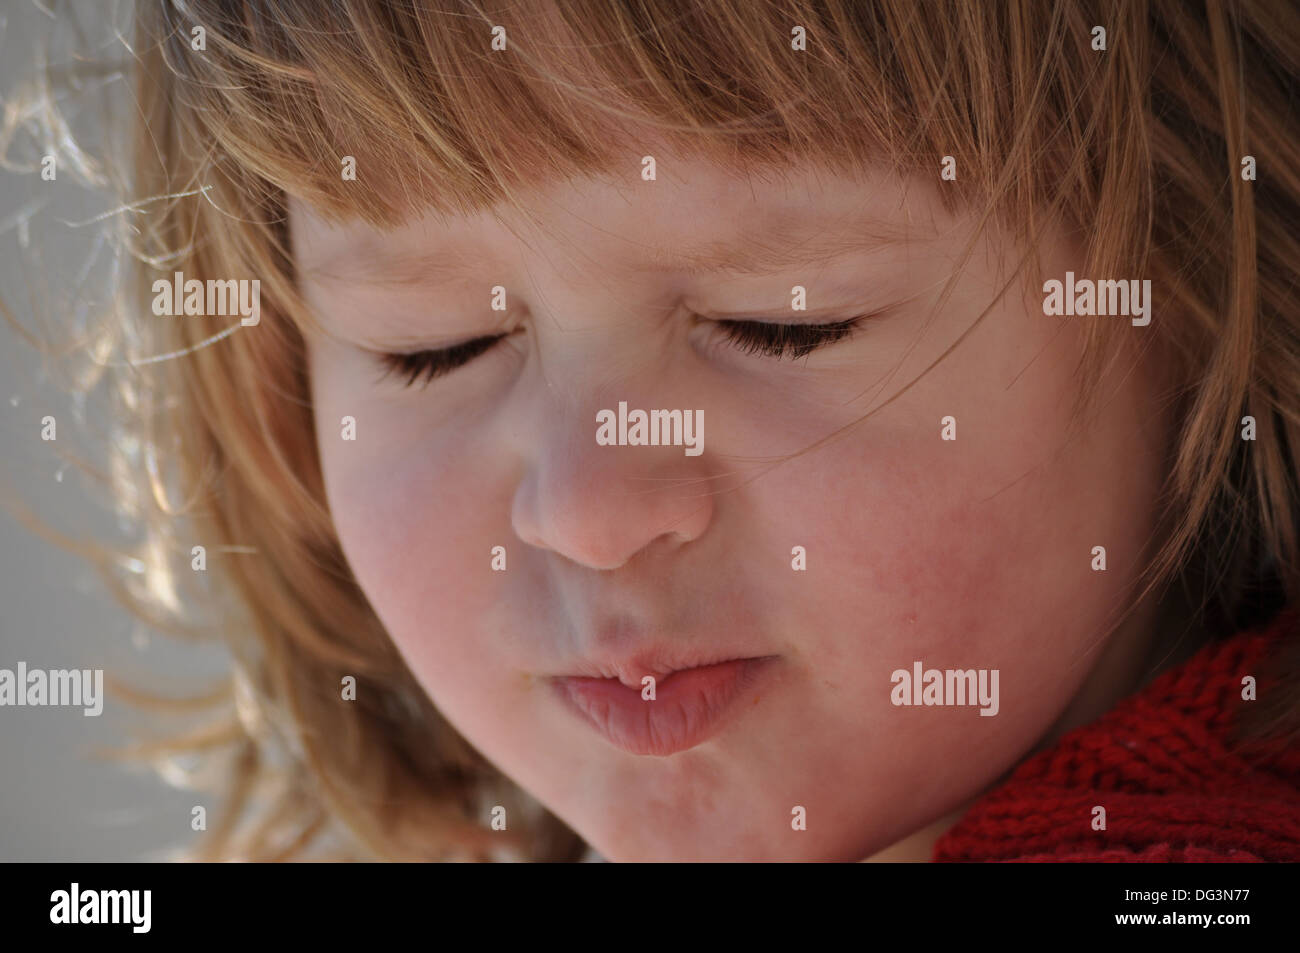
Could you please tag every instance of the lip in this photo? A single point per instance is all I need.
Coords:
(690, 704)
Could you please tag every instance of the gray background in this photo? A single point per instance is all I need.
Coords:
(57, 801)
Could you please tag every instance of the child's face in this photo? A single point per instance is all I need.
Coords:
(973, 553)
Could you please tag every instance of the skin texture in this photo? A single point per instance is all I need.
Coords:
(973, 553)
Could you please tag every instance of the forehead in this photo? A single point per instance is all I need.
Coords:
(693, 216)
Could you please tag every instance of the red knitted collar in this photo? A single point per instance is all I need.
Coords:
(1173, 785)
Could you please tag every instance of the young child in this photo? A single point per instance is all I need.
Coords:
(726, 431)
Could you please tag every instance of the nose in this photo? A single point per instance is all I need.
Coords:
(598, 506)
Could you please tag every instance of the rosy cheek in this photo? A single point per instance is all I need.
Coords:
(410, 542)
(928, 541)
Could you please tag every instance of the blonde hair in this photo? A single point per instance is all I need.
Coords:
(1137, 149)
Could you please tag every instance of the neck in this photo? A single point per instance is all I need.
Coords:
(918, 847)
(1132, 655)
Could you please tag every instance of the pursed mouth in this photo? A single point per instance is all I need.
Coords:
(659, 666)
(664, 716)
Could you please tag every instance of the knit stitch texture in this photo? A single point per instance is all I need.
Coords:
(1174, 785)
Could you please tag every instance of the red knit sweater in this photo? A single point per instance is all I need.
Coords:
(1162, 764)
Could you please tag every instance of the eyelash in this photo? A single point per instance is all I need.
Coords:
(749, 337)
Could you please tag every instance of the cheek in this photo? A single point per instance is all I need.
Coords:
(415, 524)
(974, 552)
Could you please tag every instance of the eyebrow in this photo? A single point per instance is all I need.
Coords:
(781, 247)
(791, 242)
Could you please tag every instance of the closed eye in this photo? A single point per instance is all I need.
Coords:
(431, 364)
(770, 339)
